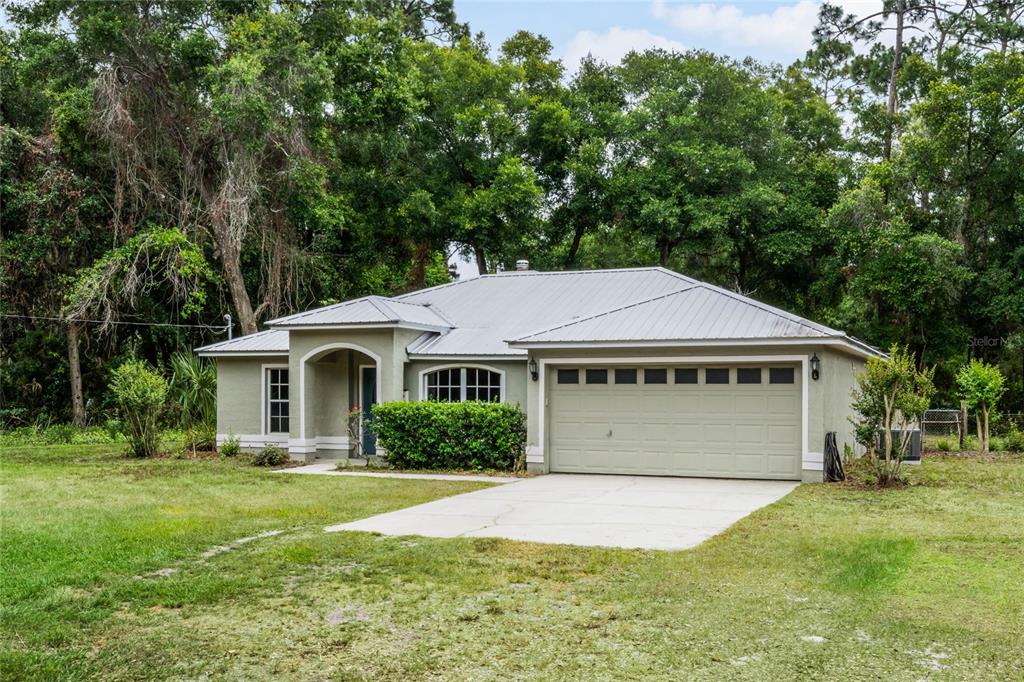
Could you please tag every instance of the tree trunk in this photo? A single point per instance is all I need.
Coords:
(481, 260)
(664, 252)
(977, 427)
(75, 375)
(984, 444)
(574, 248)
(232, 267)
(897, 60)
(417, 278)
(963, 423)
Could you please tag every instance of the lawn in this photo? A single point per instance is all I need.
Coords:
(120, 569)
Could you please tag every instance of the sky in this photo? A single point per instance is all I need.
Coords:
(769, 31)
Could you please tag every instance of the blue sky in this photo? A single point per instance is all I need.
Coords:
(769, 31)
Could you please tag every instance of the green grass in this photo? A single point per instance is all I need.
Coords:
(829, 583)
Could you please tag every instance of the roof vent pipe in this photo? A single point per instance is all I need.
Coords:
(522, 265)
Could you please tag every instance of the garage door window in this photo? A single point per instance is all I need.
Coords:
(780, 375)
(748, 375)
(716, 375)
(625, 376)
(457, 384)
(568, 376)
(655, 376)
(597, 376)
(686, 375)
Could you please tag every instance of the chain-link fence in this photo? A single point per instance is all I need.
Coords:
(948, 422)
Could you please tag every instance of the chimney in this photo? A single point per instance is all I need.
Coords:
(522, 265)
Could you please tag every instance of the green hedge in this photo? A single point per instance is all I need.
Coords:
(433, 435)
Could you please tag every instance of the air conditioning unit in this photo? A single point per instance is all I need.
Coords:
(913, 455)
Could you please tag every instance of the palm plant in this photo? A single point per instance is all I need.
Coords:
(194, 388)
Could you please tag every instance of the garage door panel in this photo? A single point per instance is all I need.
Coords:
(719, 430)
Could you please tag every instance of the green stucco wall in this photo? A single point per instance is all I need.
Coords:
(239, 396)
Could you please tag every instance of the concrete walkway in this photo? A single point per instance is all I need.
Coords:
(576, 509)
(330, 468)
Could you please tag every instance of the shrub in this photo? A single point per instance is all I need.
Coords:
(1014, 440)
(270, 456)
(944, 444)
(140, 393)
(199, 438)
(193, 388)
(60, 434)
(231, 447)
(997, 444)
(468, 435)
(113, 428)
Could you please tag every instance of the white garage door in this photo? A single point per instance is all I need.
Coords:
(738, 421)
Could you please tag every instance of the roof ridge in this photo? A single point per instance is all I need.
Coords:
(778, 312)
(333, 306)
(632, 304)
(380, 303)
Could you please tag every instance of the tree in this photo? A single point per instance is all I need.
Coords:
(891, 395)
(981, 386)
(140, 393)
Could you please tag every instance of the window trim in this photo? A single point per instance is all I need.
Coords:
(265, 398)
(462, 388)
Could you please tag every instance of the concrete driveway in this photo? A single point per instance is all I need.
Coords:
(577, 509)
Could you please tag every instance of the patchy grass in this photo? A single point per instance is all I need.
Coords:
(121, 569)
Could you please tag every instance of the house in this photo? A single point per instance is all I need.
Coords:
(632, 371)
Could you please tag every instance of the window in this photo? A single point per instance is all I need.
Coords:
(625, 376)
(482, 384)
(568, 376)
(780, 375)
(277, 400)
(716, 375)
(456, 384)
(597, 376)
(686, 375)
(655, 376)
(748, 375)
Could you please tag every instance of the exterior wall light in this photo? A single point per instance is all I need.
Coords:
(532, 366)
(815, 367)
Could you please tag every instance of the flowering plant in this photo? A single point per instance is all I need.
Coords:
(354, 419)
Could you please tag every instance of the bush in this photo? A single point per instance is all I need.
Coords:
(433, 435)
(199, 438)
(113, 428)
(270, 456)
(231, 447)
(140, 393)
(997, 444)
(1014, 440)
(60, 434)
(944, 444)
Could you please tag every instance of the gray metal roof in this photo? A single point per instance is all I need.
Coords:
(375, 310)
(269, 342)
(487, 310)
(503, 314)
(698, 312)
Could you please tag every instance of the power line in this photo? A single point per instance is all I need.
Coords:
(131, 324)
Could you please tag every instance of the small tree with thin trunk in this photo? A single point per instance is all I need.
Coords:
(140, 392)
(981, 385)
(891, 394)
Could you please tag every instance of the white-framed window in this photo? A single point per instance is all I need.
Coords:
(277, 412)
(456, 384)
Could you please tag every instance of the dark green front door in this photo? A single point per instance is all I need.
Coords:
(367, 397)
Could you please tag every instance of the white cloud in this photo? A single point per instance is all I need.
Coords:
(614, 44)
(786, 27)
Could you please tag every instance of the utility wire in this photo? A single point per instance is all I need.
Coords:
(133, 324)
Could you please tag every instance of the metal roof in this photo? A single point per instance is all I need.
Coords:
(503, 314)
(273, 342)
(695, 313)
(374, 310)
(487, 310)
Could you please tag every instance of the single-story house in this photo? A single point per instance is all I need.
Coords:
(630, 371)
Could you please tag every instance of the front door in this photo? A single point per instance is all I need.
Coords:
(367, 397)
